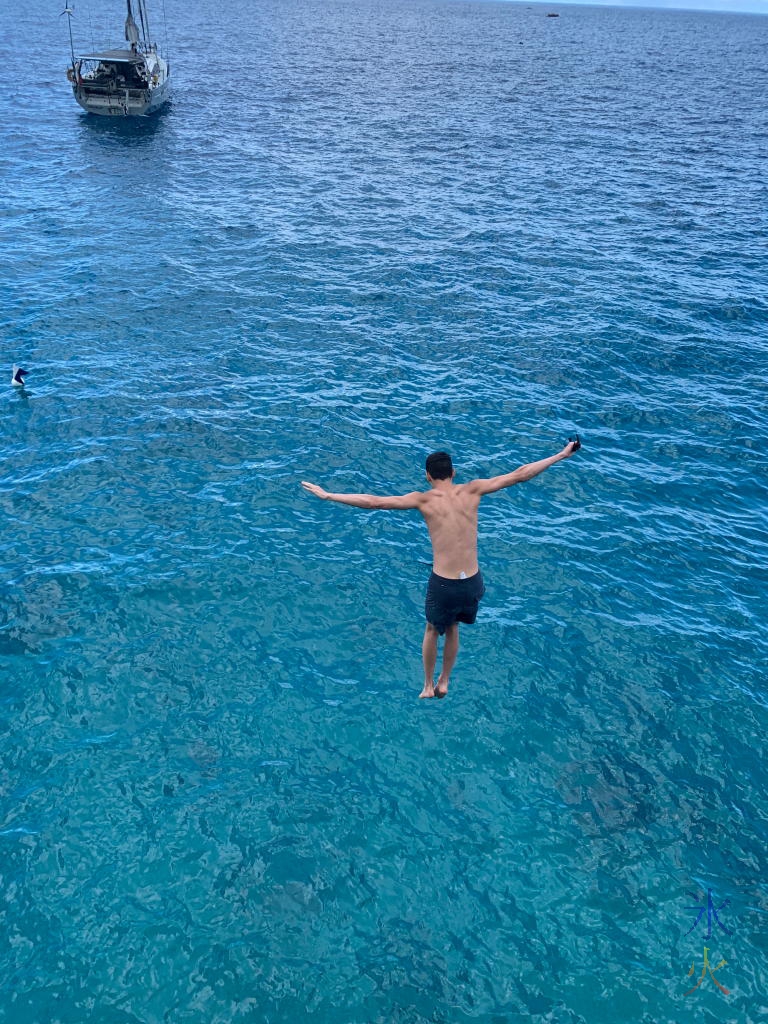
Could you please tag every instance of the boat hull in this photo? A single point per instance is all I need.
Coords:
(121, 102)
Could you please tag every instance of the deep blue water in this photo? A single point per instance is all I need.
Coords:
(360, 232)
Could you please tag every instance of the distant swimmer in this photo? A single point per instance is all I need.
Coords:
(450, 510)
(17, 376)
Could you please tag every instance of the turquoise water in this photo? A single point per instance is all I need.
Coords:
(363, 231)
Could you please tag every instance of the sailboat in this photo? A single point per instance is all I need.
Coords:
(128, 82)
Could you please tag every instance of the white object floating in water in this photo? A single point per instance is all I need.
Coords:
(18, 375)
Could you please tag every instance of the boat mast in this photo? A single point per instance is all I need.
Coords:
(144, 18)
(69, 12)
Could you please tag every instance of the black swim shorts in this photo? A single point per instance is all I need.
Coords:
(450, 601)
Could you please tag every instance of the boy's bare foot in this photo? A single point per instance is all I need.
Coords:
(429, 689)
(442, 687)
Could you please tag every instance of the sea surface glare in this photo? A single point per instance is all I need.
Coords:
(363, 231)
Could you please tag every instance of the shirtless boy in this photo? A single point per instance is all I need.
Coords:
(450, 510)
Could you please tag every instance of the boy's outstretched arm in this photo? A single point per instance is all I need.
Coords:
(522, 473)
(369, 501)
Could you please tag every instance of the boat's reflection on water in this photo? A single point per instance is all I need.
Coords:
(135, 132)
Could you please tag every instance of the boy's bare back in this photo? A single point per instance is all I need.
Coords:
(450, 513)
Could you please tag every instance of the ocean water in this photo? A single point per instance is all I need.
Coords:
(363, 231)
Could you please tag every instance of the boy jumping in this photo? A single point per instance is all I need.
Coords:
(450, 511)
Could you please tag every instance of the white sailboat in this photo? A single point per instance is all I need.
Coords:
(122, 82)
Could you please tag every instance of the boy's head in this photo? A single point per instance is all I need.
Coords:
(439, 466)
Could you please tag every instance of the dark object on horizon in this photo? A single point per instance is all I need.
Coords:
(18, 375)
(576, 442)
(553, 15)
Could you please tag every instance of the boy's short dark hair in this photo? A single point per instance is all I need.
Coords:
(439, 466)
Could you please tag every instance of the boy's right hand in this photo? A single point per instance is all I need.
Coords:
(314, 489)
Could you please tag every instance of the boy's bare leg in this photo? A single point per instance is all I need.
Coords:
(429, 654)
(450, 650)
